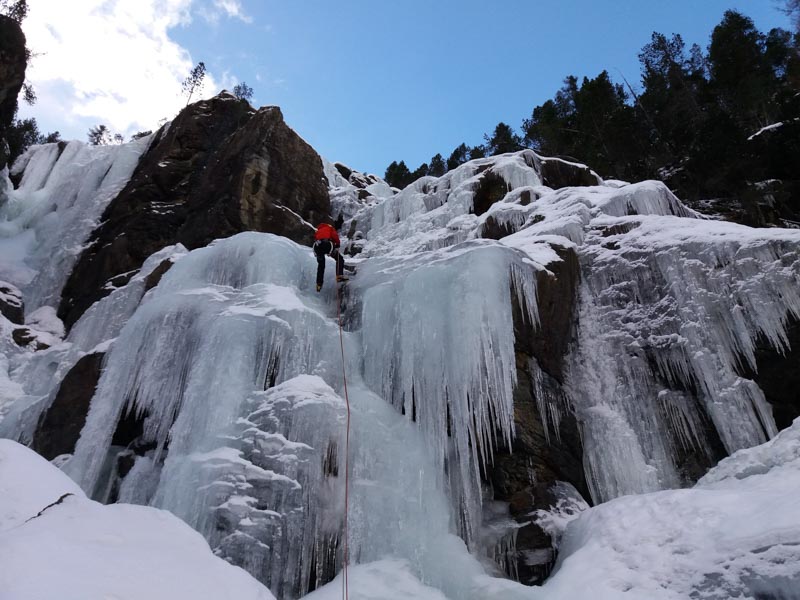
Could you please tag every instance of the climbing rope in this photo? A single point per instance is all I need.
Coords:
(345, 583)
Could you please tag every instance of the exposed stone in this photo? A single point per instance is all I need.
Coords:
(557, 296)
(778, 376)
(557, 173)
(218, 170)
(541, 455)
(494, 230)
(13, 61)
(491, 188)
(156, 274)
(26, 337)
(11, 304)
(343, 170)
(60, 427)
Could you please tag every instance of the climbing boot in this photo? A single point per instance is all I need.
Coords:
(319, 287)
(341, 278)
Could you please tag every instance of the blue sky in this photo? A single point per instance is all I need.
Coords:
(371, 81)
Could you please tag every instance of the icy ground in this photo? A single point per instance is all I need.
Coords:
(231, 365)
(735, 535)
(79, 549)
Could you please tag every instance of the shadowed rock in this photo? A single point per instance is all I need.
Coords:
(13, 61)
(11, 304)
(60, 427)
(219, 169)
(543, 452)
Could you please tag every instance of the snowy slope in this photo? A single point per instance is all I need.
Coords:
(79, 549)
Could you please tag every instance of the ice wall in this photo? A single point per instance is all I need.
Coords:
(57, 205)
(438, 342)
(670, 311)
(40, 374)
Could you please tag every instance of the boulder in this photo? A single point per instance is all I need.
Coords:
(219, 169)
(26, 337)
(558, 173)
(60, 427)
(11, 304)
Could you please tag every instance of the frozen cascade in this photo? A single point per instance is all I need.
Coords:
(447, 360)
(231, 319)
(231, 367)
(199, 345)
(679, 303)
(98, 326)
(60, 200)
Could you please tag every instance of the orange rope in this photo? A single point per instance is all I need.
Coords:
(345, 583)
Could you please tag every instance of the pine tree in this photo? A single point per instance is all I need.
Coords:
(20, 135)
(437, 168)
(478, 151)
(194, 82)
(740, 73)
(397, 174)
(503, 140)
(458, 157)
(243, 91)
(99, 136)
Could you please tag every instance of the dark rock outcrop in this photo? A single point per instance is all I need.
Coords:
(13, 61)
(219, 169)
(60, 427)
(778, 376)
(547, 448)
(11, 304)
(491, 188)
(557, 173)
(156, 274)
(28, 338)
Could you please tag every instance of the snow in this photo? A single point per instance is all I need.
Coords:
(81, 549)
(771, 127)
(380, 580)
(732, 536)
(28, 484)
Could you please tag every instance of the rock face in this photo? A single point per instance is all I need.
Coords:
(219, 169)
(13, 61)
(557, 173)
(547, 448)
(779, 376)
(60, 427)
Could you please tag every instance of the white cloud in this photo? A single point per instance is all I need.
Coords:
(219, 8)
(110, 61)
(233, 9)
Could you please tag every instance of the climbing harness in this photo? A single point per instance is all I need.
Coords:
(345, 583)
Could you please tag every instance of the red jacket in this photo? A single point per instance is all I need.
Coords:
(327, 232)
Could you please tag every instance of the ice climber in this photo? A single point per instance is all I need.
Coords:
(326, 242)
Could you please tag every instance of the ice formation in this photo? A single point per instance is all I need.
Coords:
(230, 370)
(58, 203)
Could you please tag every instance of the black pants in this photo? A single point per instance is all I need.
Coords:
(323, 248)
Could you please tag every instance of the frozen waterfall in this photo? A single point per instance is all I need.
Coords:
(221, 394)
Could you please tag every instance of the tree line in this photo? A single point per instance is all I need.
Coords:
(692, 121)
